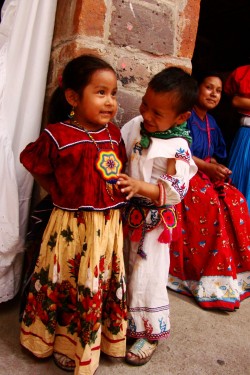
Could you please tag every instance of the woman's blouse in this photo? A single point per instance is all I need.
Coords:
(65, 157)
(207, 137)
(238, 83)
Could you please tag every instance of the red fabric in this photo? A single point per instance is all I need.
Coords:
(65, 157)
(238, 83)
(215, 239)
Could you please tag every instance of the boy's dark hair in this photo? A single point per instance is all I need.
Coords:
(76, 76)
(180, 83)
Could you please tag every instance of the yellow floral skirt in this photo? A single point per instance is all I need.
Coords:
(76, 304)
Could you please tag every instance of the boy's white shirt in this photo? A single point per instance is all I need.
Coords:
(151, 166)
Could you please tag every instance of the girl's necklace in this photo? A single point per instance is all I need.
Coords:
(90, 135)
(107, 163)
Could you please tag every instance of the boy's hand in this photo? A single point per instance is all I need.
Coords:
(128, 185)
(131, 187)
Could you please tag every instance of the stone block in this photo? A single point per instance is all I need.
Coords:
(149, 29)
(79, 17)
(188, 24)
(128, 107)
(131, 71)
(92, 18)
(67, 19)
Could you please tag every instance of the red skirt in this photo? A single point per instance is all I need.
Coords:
(211, 258)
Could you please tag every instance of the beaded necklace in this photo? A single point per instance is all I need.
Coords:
(107, 162)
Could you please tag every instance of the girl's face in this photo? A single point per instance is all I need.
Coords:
(209, 93)
(158, 111)
(98, 104)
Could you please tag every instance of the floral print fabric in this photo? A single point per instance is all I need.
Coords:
(211, 259)
(76, 304)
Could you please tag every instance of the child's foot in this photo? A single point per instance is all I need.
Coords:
(64, 362)
(141, 352)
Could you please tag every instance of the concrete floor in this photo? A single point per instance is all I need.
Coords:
(201, 343)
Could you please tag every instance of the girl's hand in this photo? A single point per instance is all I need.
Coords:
(128, 185)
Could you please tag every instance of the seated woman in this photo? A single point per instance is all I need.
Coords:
(210, 260)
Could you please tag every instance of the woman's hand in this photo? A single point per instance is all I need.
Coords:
(216, 171)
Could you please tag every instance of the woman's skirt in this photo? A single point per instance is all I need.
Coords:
(239, 162)
(211, 259)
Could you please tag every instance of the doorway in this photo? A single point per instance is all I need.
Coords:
(222, 41)
(222, 44)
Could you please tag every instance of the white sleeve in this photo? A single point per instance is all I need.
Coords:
(176, 186)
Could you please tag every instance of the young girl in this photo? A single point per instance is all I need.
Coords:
(237, 86)
(159, 169)
(210, 260)
(76, 303)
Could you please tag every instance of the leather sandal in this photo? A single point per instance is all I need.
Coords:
(63, 362)
(141, 351)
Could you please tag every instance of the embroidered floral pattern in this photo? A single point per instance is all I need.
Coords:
(53, 303)
(67, 234)
(175, 182)
(210, 260)
(183, 155)
(81, 303)
(136, 217)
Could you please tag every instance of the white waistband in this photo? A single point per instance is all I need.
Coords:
(245, 121)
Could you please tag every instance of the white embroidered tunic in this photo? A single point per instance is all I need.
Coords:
(150, 164)
(148, 303)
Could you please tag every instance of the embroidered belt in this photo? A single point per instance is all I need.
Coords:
(141, 216)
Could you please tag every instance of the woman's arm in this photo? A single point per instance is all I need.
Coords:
(214, 170)
(241, 103)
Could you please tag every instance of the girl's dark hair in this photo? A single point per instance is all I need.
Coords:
(76, 76)
(180, 83)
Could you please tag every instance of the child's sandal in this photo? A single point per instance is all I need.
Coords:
(63, 362)
(141, 351)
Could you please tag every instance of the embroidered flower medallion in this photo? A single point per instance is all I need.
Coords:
(169, 217)
(136, 217)
(109, 165)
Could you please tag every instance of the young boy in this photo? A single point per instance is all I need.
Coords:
(159, 169)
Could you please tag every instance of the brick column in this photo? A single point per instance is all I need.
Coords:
(138, 38)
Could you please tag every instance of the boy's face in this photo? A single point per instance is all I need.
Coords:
(158, 111)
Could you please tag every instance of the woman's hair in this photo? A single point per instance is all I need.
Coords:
(76, 76)
(200, 76)
(180, 83)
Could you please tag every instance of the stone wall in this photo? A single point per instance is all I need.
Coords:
(138, 38)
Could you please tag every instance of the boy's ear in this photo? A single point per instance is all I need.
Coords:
(183, 117)
(71, 97)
